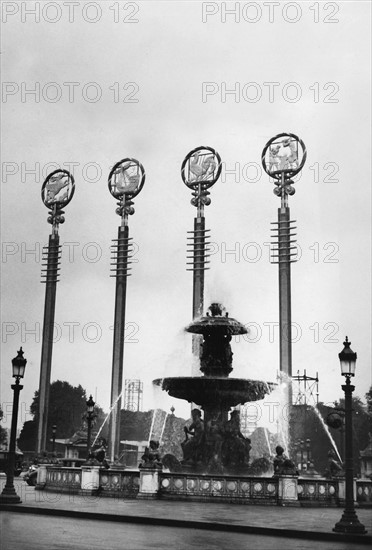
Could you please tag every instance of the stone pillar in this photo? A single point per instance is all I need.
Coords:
(288, 490)
(41, 477)
(342, 490)
(89, 479)
(149, 483)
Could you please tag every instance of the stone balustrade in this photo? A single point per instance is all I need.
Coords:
(322, 491)
(59, 478)
(364, 492)
(218, 488)
(126, 483)
(119, 483)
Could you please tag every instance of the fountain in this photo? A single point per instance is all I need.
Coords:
(214, 444)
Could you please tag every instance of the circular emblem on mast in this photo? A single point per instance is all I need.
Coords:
(283, 156)
(202, 166)
(126, 178)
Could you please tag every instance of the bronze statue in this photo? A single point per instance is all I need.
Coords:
(282, 464)
(192, 447)
(151, 457)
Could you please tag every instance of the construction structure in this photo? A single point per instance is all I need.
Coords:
(133, 394)
(305, 389)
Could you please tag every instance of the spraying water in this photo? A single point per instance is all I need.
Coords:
(267, 440)
(152, 425)
(162, 431)
(157, 425)
(282, 420)
(107, 417)
(327, 432)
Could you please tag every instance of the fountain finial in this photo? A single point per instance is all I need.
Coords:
(216, 309)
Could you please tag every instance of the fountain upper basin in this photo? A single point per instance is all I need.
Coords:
(225, 392)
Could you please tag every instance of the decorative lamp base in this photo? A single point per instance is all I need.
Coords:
(9, 496)
(349, 523)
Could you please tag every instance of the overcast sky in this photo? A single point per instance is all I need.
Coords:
(151, 80)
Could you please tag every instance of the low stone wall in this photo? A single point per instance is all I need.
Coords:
(203, 487)
(282, 490)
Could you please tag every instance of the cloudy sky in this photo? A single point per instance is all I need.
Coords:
(86, 84)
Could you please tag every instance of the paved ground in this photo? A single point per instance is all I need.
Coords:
(186, 522)
(30, 532)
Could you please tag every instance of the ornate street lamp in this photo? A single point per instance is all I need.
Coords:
(9, 494)
(200, 169)
(349, 522)
(54, 431)
(90, 415)
(125, 181)
(56, 193)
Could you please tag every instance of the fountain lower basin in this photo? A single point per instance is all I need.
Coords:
(208, 392)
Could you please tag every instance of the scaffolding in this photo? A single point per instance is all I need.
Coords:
(133, 392)
(306, 392)
(248, 421)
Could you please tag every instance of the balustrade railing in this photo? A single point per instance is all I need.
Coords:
(62, 478)
(208, 487)
(219, 488)
(119, 483)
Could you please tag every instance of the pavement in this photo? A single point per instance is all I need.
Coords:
(296, 522)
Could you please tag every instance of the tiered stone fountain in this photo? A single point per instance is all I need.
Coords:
(214, 444)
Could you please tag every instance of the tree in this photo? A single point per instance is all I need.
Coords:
(362, 423)
(3, 433)
(369, 400)
(67, 410)
(67, 404)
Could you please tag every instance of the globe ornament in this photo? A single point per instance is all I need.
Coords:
(334, 420)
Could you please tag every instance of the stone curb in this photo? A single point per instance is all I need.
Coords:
(168, 522)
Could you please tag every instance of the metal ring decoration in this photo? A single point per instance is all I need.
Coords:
(201, 166)
(126, 178)
(282, 156)
(58, 189)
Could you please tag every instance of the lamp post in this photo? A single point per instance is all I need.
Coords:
(349, 522)
(54, 430)
(90, 415)
(9, 494)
